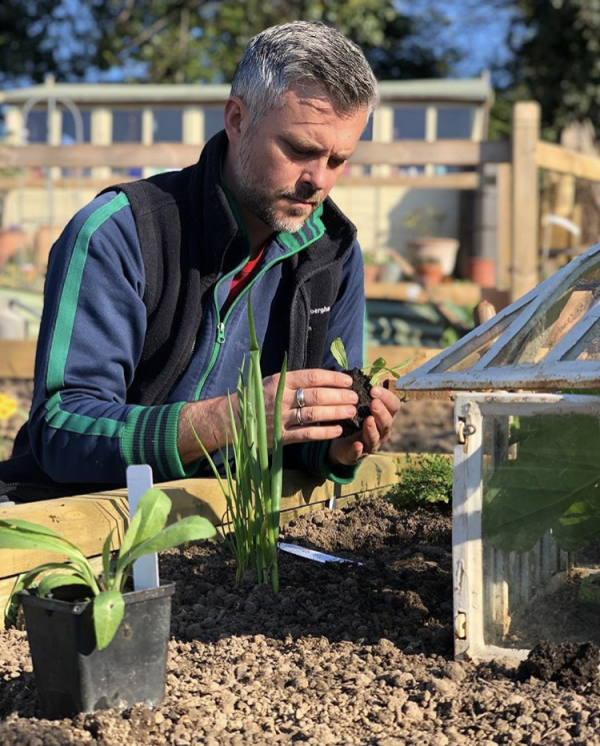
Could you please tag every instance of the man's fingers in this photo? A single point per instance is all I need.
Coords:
(305, 434)
(317, 378)
(311, 415)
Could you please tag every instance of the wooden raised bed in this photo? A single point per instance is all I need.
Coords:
(88, 519)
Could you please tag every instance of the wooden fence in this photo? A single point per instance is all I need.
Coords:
(515, 178)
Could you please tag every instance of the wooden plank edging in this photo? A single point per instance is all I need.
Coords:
(88, 519)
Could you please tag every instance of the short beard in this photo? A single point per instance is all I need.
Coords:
(256, 197)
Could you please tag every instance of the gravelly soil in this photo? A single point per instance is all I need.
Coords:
(346, 654)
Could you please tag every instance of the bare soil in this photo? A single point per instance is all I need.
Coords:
(345, 654)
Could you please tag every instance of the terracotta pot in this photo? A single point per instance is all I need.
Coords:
(12, 240)
(430, 274)
(43, 242)
(442, 249)
(371, 272)
(482, 271)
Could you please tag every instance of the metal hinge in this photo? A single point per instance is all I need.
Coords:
(463, 430)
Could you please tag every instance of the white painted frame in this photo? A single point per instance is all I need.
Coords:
(467, 548)
(484, 374)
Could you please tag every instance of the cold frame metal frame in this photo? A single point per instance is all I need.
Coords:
(469, 583)
(548, 339)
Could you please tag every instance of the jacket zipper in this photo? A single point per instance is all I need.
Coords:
(221, 324)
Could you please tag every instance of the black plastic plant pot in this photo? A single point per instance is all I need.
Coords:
(73, 676)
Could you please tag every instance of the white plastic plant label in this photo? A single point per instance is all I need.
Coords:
(145, 570)
(313, 554)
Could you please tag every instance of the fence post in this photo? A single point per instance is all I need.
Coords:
(525, 248)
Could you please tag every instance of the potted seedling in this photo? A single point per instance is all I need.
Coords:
(95, 642)
(363, 380)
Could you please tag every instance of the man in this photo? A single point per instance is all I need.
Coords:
(145, 321)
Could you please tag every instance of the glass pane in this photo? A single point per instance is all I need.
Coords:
(168, 125)
(213, 122)
(127, 126)
(68, 136)
(409, 124)
(36, 128)
(466, 356)
(541, 529)
(455, 123)
(588, 347)
(548, 327)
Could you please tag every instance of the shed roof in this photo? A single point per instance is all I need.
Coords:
(548, 339)
(474, 90)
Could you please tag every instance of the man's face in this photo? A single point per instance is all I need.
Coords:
(287, 164)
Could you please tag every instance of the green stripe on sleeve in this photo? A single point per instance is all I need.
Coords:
(176, 468)
(128, 436)
(63, 329)
(78, 423)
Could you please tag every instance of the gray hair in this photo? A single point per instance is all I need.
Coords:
(305, 51)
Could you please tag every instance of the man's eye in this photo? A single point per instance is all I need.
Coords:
(336, 162)
(298, 152)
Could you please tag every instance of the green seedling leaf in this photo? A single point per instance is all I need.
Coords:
(106, 558)
(149, 518)
(15, 536)
(339, 353)
(108, 612)
(50, 582)
(192, 528)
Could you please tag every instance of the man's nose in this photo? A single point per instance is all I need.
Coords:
(316, 174)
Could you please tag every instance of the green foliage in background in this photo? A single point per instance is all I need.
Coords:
(193, 41)
(551, 482)
(554, 59)
(425, 480)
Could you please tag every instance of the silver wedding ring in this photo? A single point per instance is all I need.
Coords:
(300, 402)
(299, 419)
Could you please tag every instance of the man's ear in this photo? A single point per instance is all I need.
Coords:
(237, 118)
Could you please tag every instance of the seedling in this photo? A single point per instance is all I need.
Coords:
(363, 380)
(423, 482)
(146, 534)
(253, 496)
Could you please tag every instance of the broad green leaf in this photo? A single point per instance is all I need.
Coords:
(106, 559)
(108, 612)
(14, 538)
(35, 529)
(192, 528)
(339, 353)
(153, 510)
(50, 582)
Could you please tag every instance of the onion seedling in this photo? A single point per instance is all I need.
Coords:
(252, 489)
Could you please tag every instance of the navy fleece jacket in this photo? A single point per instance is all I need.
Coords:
(83, 427)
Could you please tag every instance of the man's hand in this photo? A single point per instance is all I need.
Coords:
(326, 396)
(376, 430)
